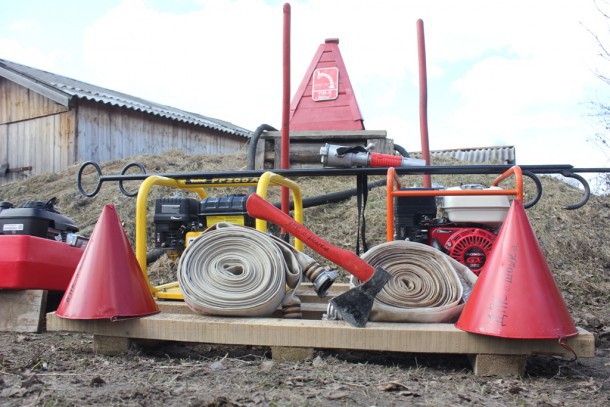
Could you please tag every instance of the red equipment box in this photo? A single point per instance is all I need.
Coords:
(33, 263)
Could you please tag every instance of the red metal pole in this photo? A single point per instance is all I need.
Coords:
(285, 141)
(423, 100)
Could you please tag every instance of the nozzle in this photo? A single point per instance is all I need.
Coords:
(413, 162)
(344, 157)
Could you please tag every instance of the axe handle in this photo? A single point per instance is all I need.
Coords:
(261, 209)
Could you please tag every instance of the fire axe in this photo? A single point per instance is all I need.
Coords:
(354, 305)
(360, 156)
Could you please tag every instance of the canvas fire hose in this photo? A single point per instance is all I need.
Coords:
(233, 270)
(426, 285)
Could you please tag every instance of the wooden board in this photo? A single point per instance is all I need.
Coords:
(22, 310)
(289, 338)
(377, 336)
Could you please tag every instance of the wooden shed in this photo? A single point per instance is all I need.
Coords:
(49, 122)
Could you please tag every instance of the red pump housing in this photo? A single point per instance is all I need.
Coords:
(470, 246)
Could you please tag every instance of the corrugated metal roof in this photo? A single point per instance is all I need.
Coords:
(503, 154)
(62, 89)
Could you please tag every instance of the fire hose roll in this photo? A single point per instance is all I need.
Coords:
(232, 270)
(426, 285)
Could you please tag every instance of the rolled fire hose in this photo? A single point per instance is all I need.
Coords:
(426, 284)
(233, 270)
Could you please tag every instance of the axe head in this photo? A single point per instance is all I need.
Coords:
(354, 305)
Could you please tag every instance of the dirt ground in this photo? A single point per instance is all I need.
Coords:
(62, 369)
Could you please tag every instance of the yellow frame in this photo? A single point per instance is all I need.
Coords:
(172, 290)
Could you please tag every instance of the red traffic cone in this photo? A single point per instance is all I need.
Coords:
(108, 282)
(516, 296)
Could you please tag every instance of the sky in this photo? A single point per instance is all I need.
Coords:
(518, 72)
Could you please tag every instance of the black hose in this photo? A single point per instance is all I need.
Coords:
(154, 255)
(252, 148)
(254, 142)
(401, 150)
(334, 196)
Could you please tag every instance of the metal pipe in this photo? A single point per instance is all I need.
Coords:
(223, 177)
(423, 99)
(235, 178)
(285, 142)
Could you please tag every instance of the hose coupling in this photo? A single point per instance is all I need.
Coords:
(331, 313)
(321, 278)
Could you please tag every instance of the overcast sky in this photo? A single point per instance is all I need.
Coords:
(513, 72)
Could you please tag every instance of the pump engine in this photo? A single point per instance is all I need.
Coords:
(179, 219)
(40, 219)
(464, 227)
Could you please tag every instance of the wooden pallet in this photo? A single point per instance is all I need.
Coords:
(289, 337)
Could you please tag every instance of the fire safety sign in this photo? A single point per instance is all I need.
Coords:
(325, 84)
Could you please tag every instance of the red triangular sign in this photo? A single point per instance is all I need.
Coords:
(325, 99)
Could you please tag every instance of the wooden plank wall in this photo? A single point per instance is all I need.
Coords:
(18, 103)
(3, 144)
(34, 132)
(45, 144)
(108, 132)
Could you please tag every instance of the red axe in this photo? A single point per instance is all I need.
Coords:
(354, 305)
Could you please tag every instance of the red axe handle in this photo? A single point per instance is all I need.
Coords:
(261, 209)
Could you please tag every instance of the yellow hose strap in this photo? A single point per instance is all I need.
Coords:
(426, 285)
(233, 270)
